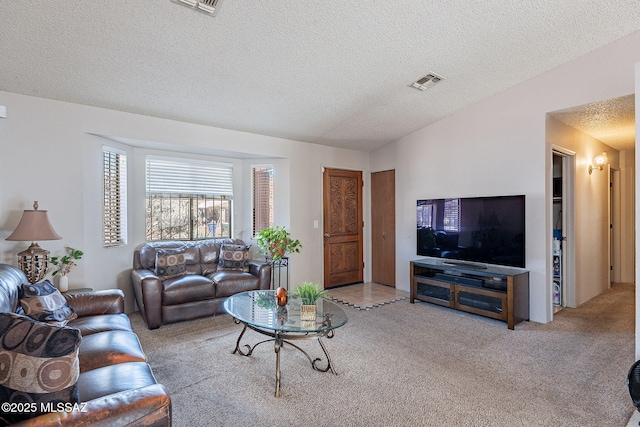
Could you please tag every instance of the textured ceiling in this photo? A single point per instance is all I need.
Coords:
(611, 121)
(331, 72)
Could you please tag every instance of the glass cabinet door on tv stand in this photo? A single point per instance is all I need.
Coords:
(498, 292)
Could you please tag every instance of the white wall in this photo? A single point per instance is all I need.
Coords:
(499, 146)
(50, 153)
(591, 204)
(627, 216)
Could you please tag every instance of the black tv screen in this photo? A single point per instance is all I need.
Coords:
(487, 230)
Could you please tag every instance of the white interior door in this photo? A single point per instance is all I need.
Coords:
(567, 215)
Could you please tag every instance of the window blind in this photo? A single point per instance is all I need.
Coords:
(262, 198)
(452, 214)
(114, 198)
(425, 216)
(165, 176)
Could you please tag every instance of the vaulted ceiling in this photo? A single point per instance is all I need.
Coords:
(334, 72)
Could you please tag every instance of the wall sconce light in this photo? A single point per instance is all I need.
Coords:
(34, 225)
(598, 162)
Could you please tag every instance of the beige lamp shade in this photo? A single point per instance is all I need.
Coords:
(34, 225)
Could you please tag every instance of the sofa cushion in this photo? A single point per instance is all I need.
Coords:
(114, 379)
(228, 283)
(188, 288)
(148, 252)
(109, 348)
(101, 323)
(38, 363)
(10, 280)
(170, 263)
(209, 253)
(43, 302)
(234, 258)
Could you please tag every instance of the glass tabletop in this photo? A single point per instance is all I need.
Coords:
(259, 309)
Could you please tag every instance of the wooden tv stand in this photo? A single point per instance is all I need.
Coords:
(493, 291)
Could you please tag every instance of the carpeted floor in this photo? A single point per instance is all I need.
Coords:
(407, 365)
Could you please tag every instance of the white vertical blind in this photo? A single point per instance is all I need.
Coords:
(114, 197)
(262, 197)
(452, 214)
(425, 215)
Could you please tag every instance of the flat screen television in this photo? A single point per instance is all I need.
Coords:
(489, 230)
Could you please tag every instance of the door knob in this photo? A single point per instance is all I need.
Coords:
(384, 235)
(327, 235)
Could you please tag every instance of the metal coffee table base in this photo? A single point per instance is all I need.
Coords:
(279, 339)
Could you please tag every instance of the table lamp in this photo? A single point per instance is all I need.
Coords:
(34, 225)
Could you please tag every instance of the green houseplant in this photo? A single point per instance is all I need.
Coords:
(276, 242)
(65, 264)
(309, 293)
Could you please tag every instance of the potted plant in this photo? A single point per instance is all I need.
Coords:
(64, 265)
(309, 293)
(276, 242)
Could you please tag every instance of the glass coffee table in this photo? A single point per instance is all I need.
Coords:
(258, 311)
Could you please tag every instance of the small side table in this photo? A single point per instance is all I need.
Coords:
(278, 266)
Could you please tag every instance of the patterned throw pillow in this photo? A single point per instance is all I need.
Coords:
(44, 302)
(234, 258)
(170, 263)
(38, 365)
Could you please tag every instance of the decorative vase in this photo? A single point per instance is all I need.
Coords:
(281, 297)
(63, 283)
(307, 312)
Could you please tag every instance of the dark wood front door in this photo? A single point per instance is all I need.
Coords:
(343, 257)
(383, 227)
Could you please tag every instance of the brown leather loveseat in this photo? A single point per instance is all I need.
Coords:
(198, 280)
(115, 384)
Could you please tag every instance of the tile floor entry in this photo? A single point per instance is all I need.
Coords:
(365, 296)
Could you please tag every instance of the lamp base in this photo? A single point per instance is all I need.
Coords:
(34, 262)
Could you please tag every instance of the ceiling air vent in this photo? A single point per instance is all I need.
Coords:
(427, 81)
(207, 6)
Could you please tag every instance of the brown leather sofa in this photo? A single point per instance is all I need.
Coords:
(200, 292)
(115, 384)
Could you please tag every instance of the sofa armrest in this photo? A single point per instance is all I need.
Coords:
(262, 270)
(148, 292)
(91, 303)
(144, 406)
